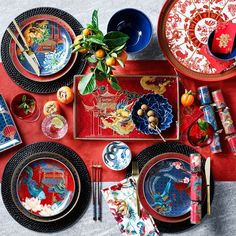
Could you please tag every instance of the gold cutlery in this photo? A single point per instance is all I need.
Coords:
(30, 52)
(135, 175)
(208, 184)
(27, 56)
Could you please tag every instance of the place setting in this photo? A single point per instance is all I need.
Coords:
(158, 131)
(36, 50)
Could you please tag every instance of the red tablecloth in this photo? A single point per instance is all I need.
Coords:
(224, 165)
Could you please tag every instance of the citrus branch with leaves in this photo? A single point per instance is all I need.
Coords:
(104, 51)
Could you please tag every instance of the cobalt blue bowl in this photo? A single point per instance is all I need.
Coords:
(161, 108)
(135, 24)
(221, 56)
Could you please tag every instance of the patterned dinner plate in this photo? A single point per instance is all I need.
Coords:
(9, 136)
(164, 187)
(183, 30)
(50, 41)
(45, 187)
(14, 53)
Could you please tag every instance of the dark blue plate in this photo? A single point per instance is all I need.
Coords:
(166, 185)
(9, 136)
(160, 106)
(51, 43)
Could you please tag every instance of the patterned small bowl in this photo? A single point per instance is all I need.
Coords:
(117, 155)
(161, 108)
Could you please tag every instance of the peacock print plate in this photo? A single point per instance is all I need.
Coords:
(164, 187)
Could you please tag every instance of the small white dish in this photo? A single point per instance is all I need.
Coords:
(117, 155)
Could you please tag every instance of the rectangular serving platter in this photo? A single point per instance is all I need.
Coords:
(98, 116)
(9, 135)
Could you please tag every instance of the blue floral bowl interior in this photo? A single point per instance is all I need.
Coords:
(135, 24)
(160, 106)
(221, 56)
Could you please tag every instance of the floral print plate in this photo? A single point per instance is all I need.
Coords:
(46, 187)
(50, 42)
(183, 30)
(164, 187)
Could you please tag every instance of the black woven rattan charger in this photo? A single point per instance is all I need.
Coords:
(160, 148)
(59, 224)
(35, 86)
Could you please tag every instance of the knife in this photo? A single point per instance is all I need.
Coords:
(30, 52)
(208, 184)
(31, 61)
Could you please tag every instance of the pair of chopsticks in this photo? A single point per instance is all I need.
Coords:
(27, 52)
(96, 190)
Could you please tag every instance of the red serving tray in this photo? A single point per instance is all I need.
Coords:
(95, 115)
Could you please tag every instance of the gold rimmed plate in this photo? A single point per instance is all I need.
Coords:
(49, 72)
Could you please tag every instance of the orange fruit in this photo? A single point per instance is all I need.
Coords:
(83, 50)
(86, 32)
(100, 53)
(110, 61)
(51, 107)
(65, 95)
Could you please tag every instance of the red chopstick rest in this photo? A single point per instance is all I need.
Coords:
(223, 40)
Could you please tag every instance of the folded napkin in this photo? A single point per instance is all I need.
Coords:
(121, 199)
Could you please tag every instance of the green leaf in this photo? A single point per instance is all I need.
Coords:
(114, 55)
(24, 98)
(203, 125)
(119, 48)
(92, 59)
(102, 67)
(203, 139)
(115, 86)
(96, 39)
(100, 75)
(115, 39)
(120, 62)
(95, 19)
(87, 84)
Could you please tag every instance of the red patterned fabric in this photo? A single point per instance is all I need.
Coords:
(223, 165)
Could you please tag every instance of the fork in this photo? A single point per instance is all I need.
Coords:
(135, 174)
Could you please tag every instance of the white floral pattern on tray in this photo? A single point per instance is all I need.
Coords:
(188, 26)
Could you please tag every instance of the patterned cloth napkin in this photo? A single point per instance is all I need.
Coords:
(121, 199)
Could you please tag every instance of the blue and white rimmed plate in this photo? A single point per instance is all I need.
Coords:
(116, 155)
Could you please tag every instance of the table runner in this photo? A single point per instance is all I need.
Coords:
(223, 165)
